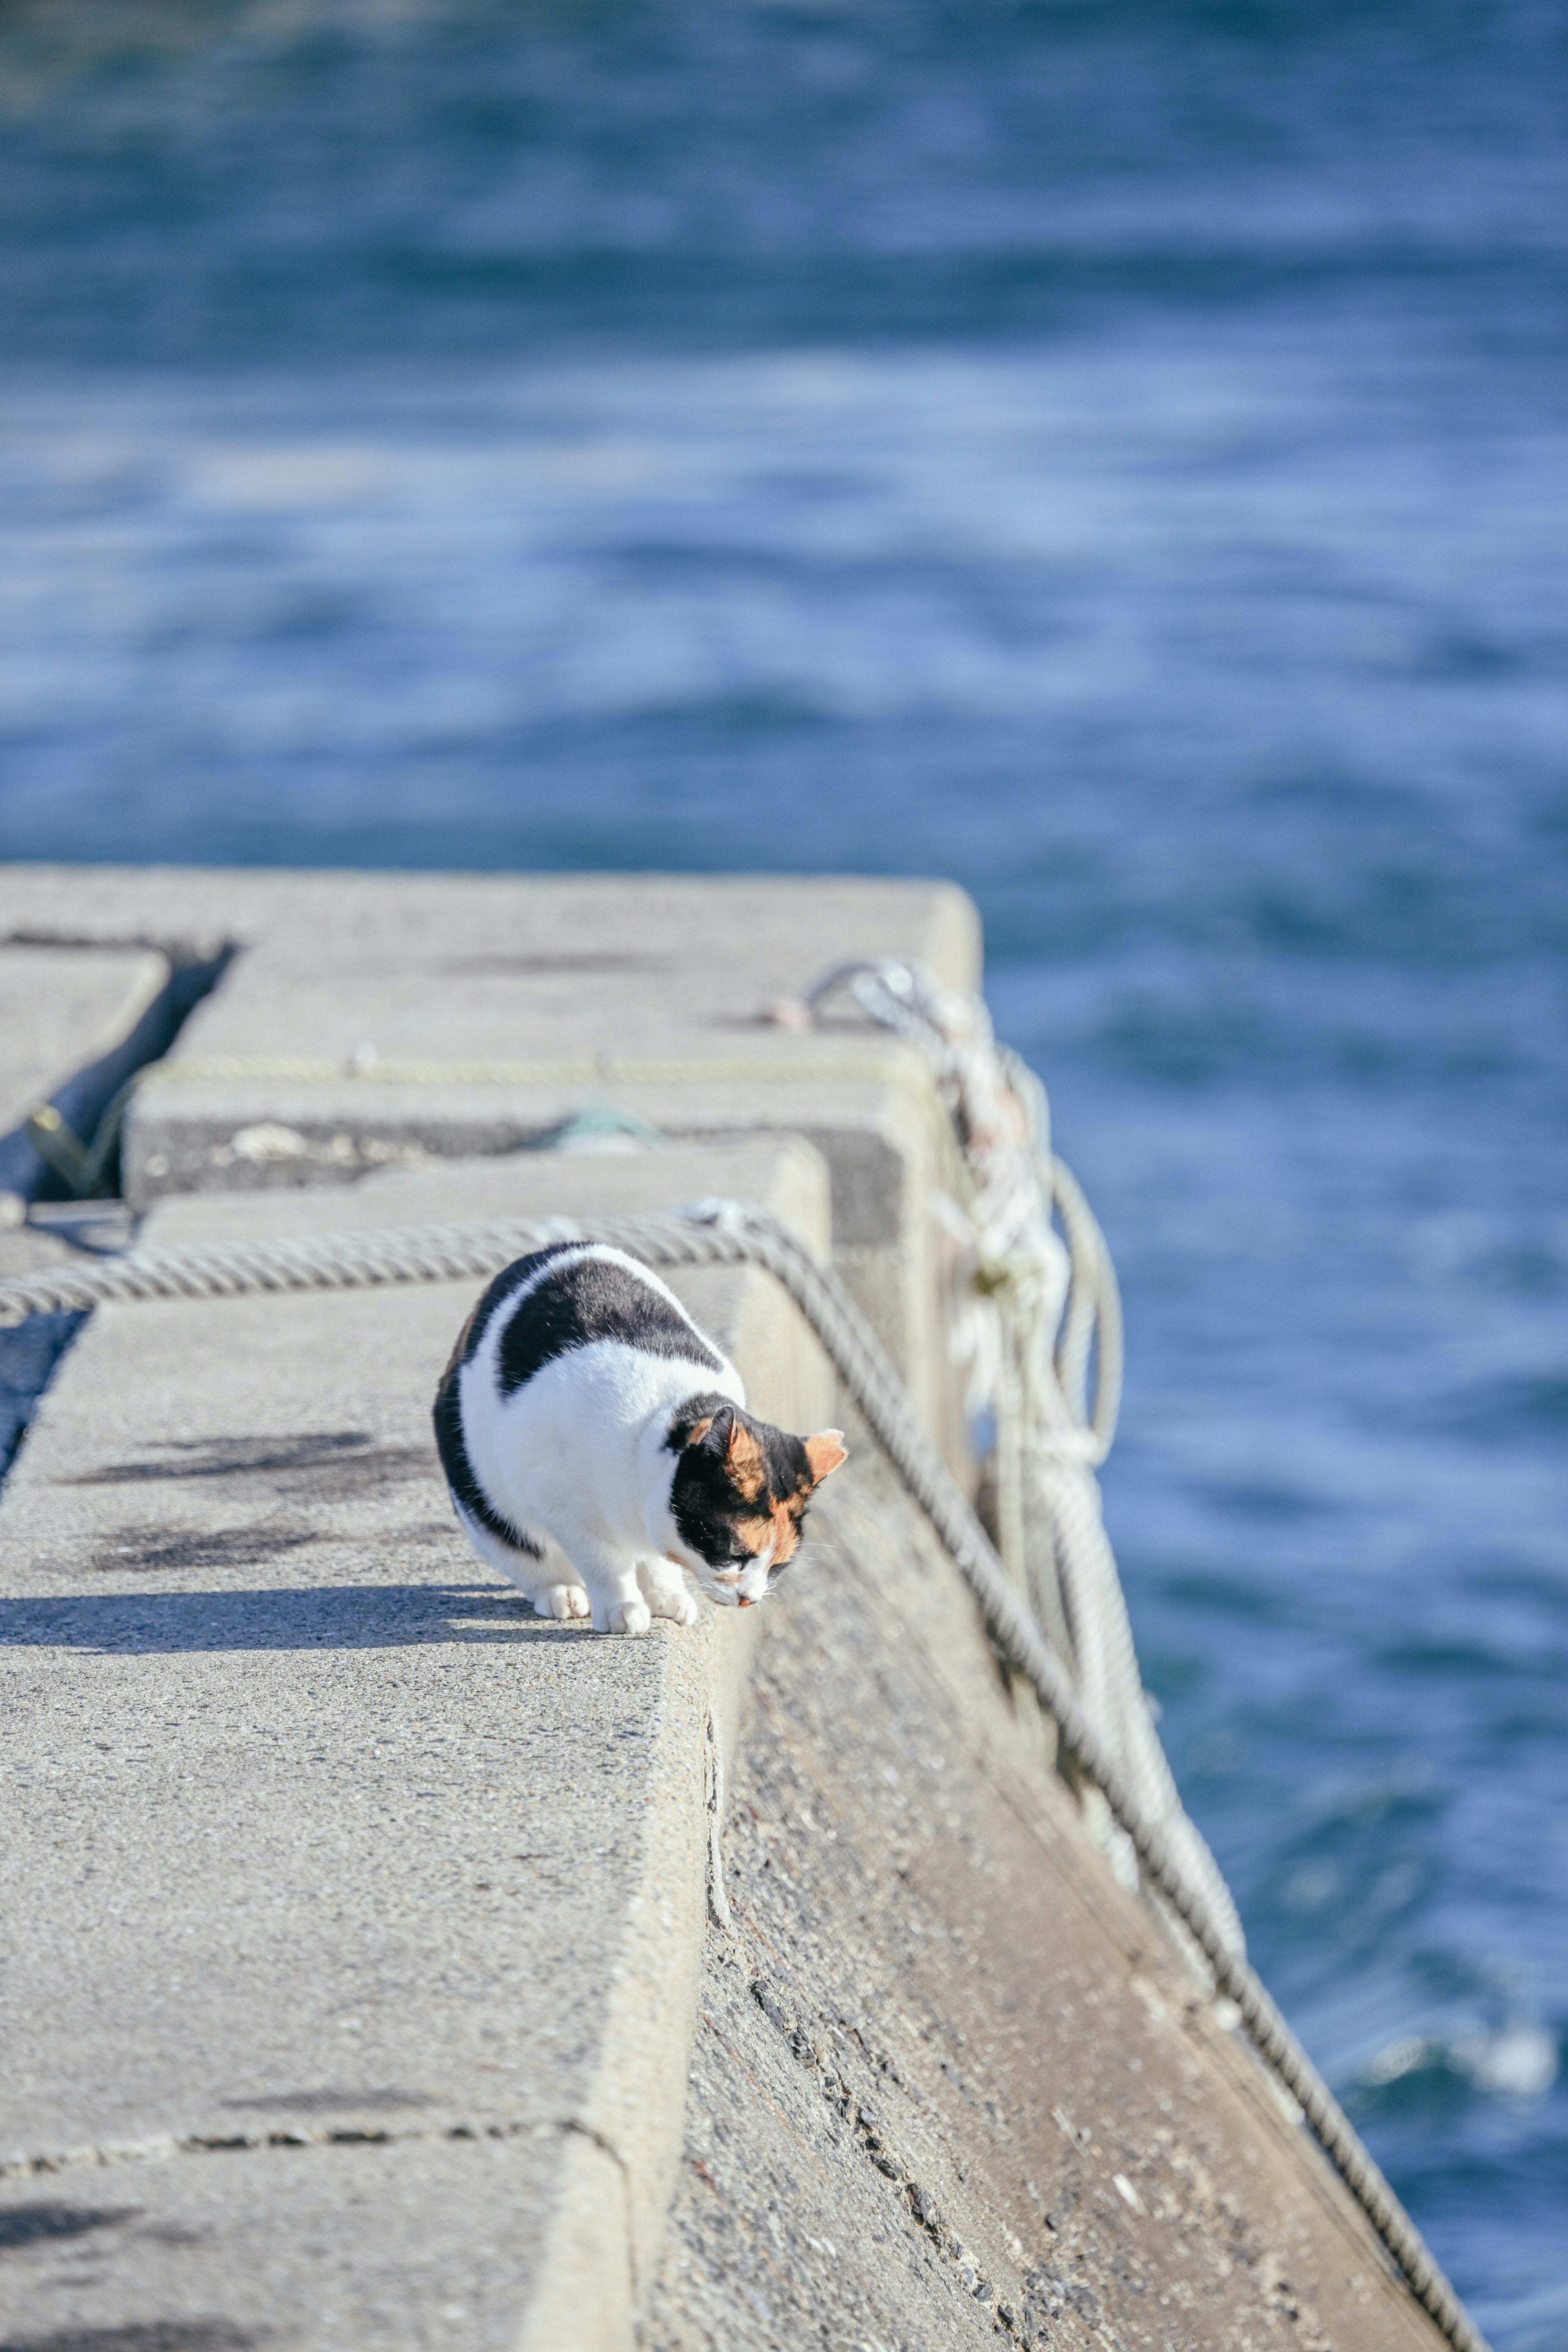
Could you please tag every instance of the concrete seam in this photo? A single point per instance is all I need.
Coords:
(607, 2146)
(159, 2149)
(865, 2132)
(599, 2138)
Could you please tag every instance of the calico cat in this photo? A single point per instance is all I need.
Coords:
(583, 1407)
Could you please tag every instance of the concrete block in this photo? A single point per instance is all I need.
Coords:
(945, 2064)
(374, 1021)
(352, 1915)
(61, 1007)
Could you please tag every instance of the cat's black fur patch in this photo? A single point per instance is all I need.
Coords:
(705, 1500)
(584, 1301)
(593, 1300)
(466, 1487)
(511, 1277)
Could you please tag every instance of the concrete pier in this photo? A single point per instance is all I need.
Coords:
(376, 1021)
(362, 1980)
(325, 1851)
(951, 2085)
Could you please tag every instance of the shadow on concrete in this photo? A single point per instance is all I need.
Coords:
(335, 1465)
(26, 2225)
(313, 1617)
(29, 1353)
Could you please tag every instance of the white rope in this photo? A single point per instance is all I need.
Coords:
(1033, 1311)
(731, 1232)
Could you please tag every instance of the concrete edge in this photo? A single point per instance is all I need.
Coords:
(147, 974)
(621, 2146)
(197, 909)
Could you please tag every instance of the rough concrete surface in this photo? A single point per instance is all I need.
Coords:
(950, 2085)
(74, 1020)
(456, 1014)
(610, 980)
(61, 1007)
(29, 1350)
(353, 1919)
(350, 1911)
(601, 947)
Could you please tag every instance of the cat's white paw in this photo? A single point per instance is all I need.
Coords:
(666, 1601)
(624, 1617)
(562, 1601)
(665, 1591)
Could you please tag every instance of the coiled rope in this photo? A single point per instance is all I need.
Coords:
(1025, 1315)
(730, 1233)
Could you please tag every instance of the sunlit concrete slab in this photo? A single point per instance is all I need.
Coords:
(380, 1019)
(351, 1913)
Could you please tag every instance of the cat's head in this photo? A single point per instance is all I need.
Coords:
(739, 1494)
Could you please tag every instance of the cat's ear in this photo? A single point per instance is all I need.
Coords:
(824, 1452)
(714, 1430)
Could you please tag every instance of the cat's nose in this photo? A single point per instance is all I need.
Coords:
(743, 1600)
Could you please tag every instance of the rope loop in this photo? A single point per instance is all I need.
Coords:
(1031, 1308)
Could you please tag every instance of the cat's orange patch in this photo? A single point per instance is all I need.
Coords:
(744, 1461)
(824, 1452)
(780, 1526)
(701, 1432)
(786, 1528)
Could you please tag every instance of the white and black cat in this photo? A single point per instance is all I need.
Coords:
(583, 1407)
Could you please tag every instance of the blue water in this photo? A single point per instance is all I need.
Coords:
(1116, 455)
